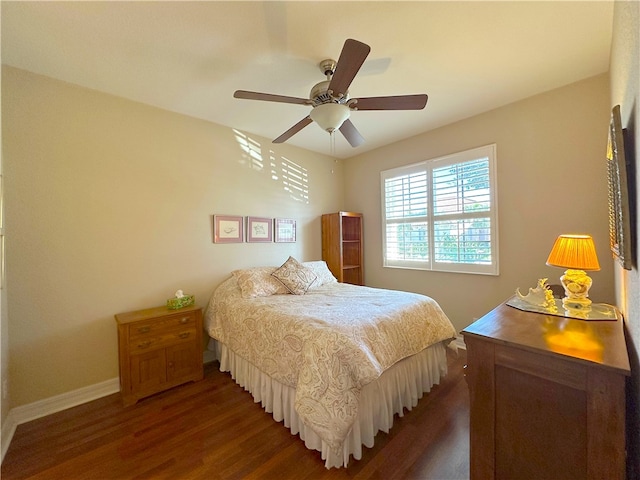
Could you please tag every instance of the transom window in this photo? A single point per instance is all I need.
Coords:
(441, 214)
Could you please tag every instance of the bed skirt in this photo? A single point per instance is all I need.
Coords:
(398, 388)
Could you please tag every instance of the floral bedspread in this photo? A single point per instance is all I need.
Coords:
(327, 344)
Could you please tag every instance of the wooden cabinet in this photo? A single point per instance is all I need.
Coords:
(547, 396)
(158, 349)
(342, 246)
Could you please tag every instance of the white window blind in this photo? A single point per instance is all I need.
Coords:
(441, 214)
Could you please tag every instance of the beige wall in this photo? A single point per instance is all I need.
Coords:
(109, 206)
(4, 322)
(625, 91)
(551, 180)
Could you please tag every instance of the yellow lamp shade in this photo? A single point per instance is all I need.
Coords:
(576, 252)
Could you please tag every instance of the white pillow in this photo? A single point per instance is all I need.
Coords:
(294, 276)
(258, 282)
(322, 272)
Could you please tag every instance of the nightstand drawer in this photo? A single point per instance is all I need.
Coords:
(160, 340)
(155, 326)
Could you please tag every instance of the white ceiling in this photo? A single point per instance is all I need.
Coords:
(189, 57)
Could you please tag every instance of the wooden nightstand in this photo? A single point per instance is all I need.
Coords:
(547, 396)
(158, 349)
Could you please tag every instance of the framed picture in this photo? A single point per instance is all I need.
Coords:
(259, 229)
(228, 229)
(619, 205)
(285, 230)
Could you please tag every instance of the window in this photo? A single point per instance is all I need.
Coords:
(441, 214)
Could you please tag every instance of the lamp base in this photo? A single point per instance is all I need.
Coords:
(576, 303)
(576, 285)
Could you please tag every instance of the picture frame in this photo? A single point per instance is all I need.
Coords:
(228, 229)
(284, 230)
(618, 193)
(259, 229)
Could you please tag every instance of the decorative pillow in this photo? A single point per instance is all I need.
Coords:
(322, 272)
(294, 276)
(258, 282)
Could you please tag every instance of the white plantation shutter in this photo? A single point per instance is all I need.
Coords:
(406, 199)
(441, 214)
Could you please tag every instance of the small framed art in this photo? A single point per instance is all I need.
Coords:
(259, 229)
(285, 230)
(228, 229)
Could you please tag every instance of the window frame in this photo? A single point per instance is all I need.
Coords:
(428, 166)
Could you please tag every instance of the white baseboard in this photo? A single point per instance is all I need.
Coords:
(459, 342)
(208, 356)
(8, 429)
(42, 408)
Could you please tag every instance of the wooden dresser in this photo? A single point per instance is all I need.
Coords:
(547, 396)
(159, 349)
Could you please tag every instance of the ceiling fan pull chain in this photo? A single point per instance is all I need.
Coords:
(332, 140)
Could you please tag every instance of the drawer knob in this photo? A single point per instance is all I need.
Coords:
(144, 344)
(184, 320)
(144, 329)
(184, 334)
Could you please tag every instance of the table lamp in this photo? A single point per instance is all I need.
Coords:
(576, 253)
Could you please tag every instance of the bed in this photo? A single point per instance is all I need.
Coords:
(334, 362)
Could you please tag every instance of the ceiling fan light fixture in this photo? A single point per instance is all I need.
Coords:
(330, 100)
(330, 116)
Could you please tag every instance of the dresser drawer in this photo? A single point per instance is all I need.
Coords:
(144, 343)
(155, 326)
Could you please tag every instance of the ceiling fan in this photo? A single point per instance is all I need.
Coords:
(330, 98)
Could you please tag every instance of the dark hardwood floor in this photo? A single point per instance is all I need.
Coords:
(212, 429)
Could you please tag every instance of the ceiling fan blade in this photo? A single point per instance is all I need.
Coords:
(399, 102)
(353, 55)
(351, 133)
(268, 97)
(293, 130)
